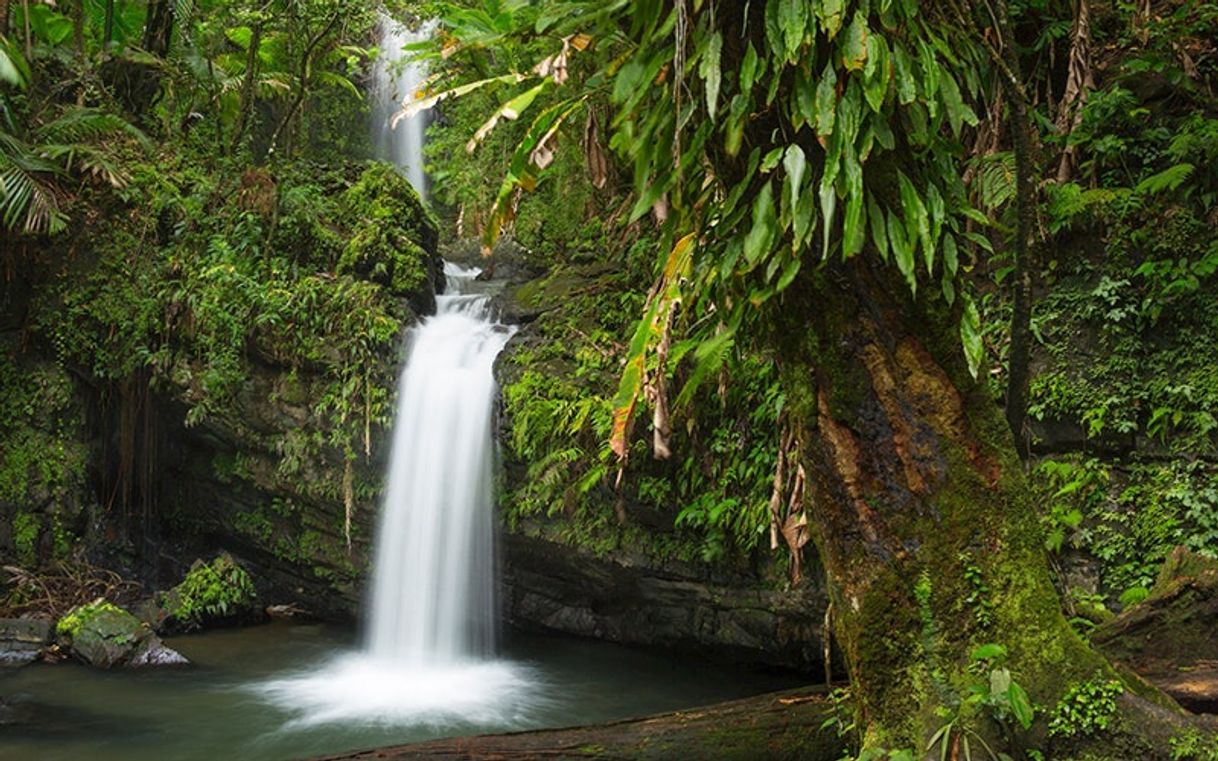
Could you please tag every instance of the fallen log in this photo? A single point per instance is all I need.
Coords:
(779, 725)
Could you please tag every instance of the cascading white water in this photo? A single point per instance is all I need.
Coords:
(433, 598)
(429, 655)
(395, 78)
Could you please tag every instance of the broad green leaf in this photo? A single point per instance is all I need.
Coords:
(805, 99)
(749, 69)
(774, 36)
(13, 70)
(854, 44)
(902, 250)
(958, 112)
(828, 207)
(760, 238)
(709, 70)
(733, 131)
(772, 157)
(788, 274)
(853, 232)
(907, 86)
(930, 70)
(951, 255)
(988, 651)
(917, 225)
(794, 163)
(970, 334)
(879, 232)
(1021, 705)
(792, 18)
(629, 79)
(876, 72)
(826, 101)
(804, 217)
(831, 14)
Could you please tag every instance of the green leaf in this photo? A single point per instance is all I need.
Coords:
(854, 44)
(879, 232)
(805, 217)
(951, 255)
(828, 206)
(794, 163)
(1021, 705)
(831, 14)
(988, 651)
(916, 221)
(760, 238)
(902, 251)
(826, 101)
(788, 274)
(957, 112)
(970, 337)
(792, 18)
(876, 72)
(709, 70)
(774, 36)
(1169, 179)
(907, 86)
(748, 68)
(853, 232)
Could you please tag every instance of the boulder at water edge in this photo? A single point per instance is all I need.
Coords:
(104, 635)
(22, 640)
(215, 594)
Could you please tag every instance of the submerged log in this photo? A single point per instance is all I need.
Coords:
(779, 725)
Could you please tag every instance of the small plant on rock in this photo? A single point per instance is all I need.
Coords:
(1086, 709)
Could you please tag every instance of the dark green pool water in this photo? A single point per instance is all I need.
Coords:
(214, 710)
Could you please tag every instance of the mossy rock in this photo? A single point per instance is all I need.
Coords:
(385, 254)
(104, 635)
(219, 593)
(393, 237)
(381, 196)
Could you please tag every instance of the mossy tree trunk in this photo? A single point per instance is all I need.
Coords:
(913, 483)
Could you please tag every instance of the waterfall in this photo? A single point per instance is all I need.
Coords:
(429, 657)
(433, 585)
(396, 78)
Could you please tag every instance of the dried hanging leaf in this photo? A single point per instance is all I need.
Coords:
(598, 164)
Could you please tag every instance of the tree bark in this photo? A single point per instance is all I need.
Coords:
(247, 85)
(306, 63)
(784, 725)
(108, 31)
(1025, 210)
(914, 488)
(4, 18)
(158, 30)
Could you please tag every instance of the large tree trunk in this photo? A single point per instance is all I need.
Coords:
(919, 508)
(158, 29)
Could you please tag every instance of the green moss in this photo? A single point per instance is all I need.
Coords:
(79, 617)
(389, 257)
(26, 528)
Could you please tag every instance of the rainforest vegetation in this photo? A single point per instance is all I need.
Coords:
(901, 315)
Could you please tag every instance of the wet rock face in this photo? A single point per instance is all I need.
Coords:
(22, 640)
(106, 636)
(557, 588)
